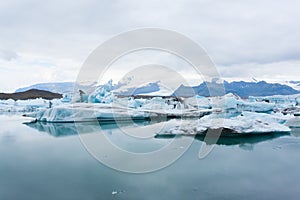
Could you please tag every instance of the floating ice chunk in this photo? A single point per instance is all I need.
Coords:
(158, 103)
(102, 94)
(273, 117)
(226, 102)
(246, 123)
(88, 112)
(29, 105)
(255, 106)
(66, 98)
(293, 122)
(280, 101)
(199, 102)
(9, 102)
(233, 102)
(292, 110)
(135, 103)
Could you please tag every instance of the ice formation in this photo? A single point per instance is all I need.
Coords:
(245, 123)
(280, 101)
(293, 122)
(252, 115)
(198, 102)
(86, 112)
(230, 101)
(102, 94)
(30, 105)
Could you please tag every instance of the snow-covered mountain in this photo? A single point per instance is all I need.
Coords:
(57, 87)
(151, 89)
(60, 87)
(293, 84)
(240, 88)
(156, 88)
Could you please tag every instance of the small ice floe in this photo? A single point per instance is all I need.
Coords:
(116, 192)
(276, 147)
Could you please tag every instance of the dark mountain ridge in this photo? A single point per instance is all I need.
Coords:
(30, 94)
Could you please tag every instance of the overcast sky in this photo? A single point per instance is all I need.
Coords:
(45, 41)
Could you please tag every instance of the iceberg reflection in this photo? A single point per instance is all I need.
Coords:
(68, 129)
(245, 141)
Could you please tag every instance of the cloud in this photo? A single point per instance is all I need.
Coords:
(272, 72)
(234, 33)
(8, 55)
(29, 69)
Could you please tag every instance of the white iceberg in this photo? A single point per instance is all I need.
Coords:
(87, 112)
(90, 112)
(254, 123)
(198, 102)
(230, 102)
(293, 122)
(280, 101)
(102, 94)
(30, 105)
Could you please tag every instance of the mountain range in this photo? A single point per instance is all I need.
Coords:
(56, 87)
(240, 88)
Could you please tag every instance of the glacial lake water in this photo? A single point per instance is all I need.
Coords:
(47, 162)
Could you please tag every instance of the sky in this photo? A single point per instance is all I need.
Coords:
(49, 41)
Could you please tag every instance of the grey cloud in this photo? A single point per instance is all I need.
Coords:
(8, 55)
(233, 32)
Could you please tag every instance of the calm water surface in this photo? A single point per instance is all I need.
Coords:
(49, 162)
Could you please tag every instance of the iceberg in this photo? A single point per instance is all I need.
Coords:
(246, 123)
(293, 122)
(82, 112)
(102, 94)
(30, 105)
(255, 106)
(230, 102)
(292, 110)
(280, 101)
(198, 102)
